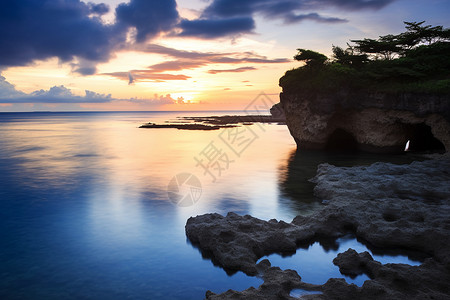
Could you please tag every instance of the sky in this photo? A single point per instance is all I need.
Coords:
(145, 55)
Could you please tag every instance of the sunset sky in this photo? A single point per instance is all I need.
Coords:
(176, 55)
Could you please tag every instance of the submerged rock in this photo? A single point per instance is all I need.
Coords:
(237, 119)
(352, 263)
(186, 126)
(277, 111)
(391, 281)
(217, 122)
(394, 206)
(237, 242)
(277, 285)
(388, 206)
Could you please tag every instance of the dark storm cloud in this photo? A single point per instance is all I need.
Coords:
(72, 31)
(98, 9)
(67, 29)
(85, 70)
(293, 18)
(40, 29)
(149, 17)
(287, 10)
(353, 4)
(214, 28)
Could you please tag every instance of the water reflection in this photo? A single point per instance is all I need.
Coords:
(296, 191)
(84, 210)
(315, 262)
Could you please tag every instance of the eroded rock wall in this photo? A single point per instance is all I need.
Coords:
(377, 122)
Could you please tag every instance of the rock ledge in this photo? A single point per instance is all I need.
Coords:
(389, 206)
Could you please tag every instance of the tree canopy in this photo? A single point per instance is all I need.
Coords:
(415, 60)
(394, 46)
(311, 58)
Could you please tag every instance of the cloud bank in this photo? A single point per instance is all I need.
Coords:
(149, 17)
(290, 11)
(179, 60)
(72, 30)
(56, 94)
(68, 29)
(41, 29)
(60, 94)
(215, 28)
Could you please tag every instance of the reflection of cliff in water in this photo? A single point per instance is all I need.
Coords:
(297, 193)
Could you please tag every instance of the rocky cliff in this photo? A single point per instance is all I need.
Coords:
(373, 122)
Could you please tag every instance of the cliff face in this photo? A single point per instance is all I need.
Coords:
(368, 121)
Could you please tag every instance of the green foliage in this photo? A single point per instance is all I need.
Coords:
(385, 47)
(348, 56)
(393, 46)
(417, 60)
(424, 34)
(311, 58)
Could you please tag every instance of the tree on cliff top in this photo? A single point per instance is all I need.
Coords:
(348, 57)
(311, 58)
(392, 46)
(417, 60)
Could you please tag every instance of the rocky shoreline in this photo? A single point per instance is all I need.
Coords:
(186, 126)
(239, 119)
(388, 206)
(217, 122)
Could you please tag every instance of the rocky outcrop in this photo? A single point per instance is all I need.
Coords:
(374, 122)
(277, 285)
(389, 206)
(186, 126)
(390, 281)
(277, 111)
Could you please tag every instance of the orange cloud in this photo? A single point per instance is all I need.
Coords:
(146, 75)
(188, 60)
(237, 70)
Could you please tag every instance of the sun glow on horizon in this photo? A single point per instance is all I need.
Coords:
(192, 57)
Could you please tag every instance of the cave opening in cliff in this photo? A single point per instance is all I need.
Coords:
(422, 139)
(341, 141)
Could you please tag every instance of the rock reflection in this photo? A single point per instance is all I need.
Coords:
(296, 192)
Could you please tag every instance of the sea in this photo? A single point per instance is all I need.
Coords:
(94, 207)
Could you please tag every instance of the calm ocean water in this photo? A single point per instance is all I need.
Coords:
(84, 211)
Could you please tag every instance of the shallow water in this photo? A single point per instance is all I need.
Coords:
(84, 211)
(317, 259)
